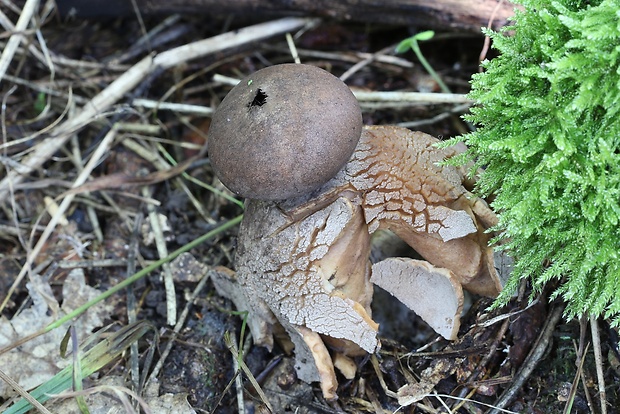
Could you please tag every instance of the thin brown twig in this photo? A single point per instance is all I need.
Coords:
(487, 39)
(532, 360)
(598, 358)
(578, 375)
(483, 363)
(365, 62)
(175, 331)
(581, 352)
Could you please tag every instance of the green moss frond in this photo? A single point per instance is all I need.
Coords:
(549, 141)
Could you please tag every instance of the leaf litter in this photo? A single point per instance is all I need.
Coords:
(70, 91)
(39, 359)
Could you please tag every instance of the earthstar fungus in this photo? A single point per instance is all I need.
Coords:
(302, 263)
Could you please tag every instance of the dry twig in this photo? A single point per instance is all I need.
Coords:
(532, 360)
(598, 358)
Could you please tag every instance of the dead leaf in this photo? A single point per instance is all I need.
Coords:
(39, 359)
(123, 181)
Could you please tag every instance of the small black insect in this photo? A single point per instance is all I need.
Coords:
(260, 99)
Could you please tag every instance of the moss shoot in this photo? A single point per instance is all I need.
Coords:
(549, 142)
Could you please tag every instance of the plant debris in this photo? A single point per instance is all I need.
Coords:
(102, 126)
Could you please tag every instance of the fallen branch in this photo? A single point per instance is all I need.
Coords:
(469, 15)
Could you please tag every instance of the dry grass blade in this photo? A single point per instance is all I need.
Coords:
(162, 251)
(500, 410)
(172, 106)
(412, 97)
(175, 332)
(386, 389)
(29, 398)
(93, 359)
(143, 272)
(578, 375)
(22, 23)
(235, 38)
(232, 346)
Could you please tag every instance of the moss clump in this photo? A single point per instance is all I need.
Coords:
(549, 140)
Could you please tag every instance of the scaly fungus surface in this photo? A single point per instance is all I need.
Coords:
(303, 268)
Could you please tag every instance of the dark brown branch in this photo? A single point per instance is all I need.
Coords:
(467, 15)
